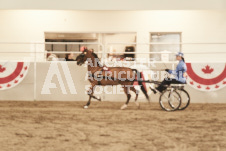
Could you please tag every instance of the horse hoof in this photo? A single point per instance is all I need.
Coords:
(124, 107)
(86, 107)
(99, 98)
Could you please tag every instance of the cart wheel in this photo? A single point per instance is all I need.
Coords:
(185, 99)
(170, 100)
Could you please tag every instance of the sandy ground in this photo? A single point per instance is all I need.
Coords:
(59, 126)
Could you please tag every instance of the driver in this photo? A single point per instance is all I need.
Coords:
(180, 74)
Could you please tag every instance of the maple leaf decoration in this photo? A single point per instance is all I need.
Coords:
(2, 69)
(207, 70)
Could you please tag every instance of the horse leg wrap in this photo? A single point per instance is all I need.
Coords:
(86, 107)
(124, 107)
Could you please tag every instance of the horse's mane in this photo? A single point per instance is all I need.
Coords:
(98, 60)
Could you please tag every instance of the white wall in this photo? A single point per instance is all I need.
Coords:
(196, 26)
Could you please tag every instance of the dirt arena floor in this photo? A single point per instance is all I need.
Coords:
(59, 126)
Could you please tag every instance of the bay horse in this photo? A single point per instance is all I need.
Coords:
(99, 75)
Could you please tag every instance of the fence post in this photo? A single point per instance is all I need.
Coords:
(35, 78)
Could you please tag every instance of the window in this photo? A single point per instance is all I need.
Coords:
(69, 37)
(164, 37)
(118, 43)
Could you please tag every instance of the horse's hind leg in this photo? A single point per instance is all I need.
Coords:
(126, 90)
(136, 92)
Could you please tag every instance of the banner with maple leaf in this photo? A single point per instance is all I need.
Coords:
(206, 76)
(12, 73)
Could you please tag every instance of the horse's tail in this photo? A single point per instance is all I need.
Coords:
(139, 79)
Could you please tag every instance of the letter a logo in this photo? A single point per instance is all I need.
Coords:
(54, 70)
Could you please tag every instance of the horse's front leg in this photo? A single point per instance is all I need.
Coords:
(96, 97)
(88, 103)
(90, 93)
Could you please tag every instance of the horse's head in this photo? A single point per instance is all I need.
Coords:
(83, 56)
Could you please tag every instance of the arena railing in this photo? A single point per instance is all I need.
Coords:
(184, 47)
